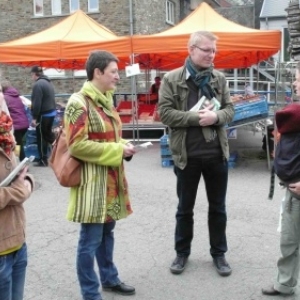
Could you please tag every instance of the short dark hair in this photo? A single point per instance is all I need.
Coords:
(98, 59)
(37, 70)
(157, 77)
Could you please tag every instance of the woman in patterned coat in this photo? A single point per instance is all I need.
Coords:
(93, 130)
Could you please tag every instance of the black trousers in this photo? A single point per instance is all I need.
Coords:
(19, 137)
(215, 174)
(45, 136)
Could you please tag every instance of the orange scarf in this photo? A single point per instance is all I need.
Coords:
(7, 141)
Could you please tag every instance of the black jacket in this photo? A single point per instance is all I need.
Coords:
(42, 97)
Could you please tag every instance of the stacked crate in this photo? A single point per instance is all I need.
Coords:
(232, 159)
(125, 110)
(167, 160)
(145, 113)
(249, 110)
(30, 144)
(30, 147)
(59, 118)
(166, 155)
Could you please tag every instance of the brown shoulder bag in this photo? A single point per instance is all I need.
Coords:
(67, 168)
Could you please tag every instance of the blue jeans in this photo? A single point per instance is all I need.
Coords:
(96, 241)
(215, 174)
(12, 274)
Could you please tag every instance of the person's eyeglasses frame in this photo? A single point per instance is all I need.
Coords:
(206, 51)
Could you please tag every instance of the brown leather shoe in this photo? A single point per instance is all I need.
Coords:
(270, 291)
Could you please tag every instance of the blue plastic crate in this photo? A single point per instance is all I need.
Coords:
(250, 110)
(231, 164)
(28, 113)
(165, 150)
(32, 150)
(233, 156)
(30, 137)
(164, 140)
(58, 119)
(167, 162)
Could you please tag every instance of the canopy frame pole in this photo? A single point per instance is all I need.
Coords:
(135, 123)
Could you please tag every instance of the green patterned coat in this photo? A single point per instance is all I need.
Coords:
(93, 131)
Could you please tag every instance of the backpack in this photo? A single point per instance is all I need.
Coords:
(286, 163)
(287, 157)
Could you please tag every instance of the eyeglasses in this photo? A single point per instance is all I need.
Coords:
(207, 51)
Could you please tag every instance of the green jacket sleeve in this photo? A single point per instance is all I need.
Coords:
(171, 109)
(226, 112)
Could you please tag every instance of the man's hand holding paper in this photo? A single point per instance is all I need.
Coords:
(203, 103)
(207, 117)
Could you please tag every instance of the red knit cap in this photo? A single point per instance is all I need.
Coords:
(288, 119)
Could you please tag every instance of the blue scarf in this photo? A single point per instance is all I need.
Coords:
(201, 78)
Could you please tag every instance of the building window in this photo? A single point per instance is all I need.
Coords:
(38, 7)
(170, 12)
(93, 5)
(74, 5)
(56, 7)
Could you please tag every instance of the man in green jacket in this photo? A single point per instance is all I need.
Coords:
(194, 101)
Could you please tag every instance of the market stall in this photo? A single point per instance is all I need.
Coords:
(237, 47)
(65, 45)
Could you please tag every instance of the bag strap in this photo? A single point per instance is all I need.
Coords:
(272, 183)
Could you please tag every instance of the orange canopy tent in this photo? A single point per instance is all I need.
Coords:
(237, 46)
(65, 45)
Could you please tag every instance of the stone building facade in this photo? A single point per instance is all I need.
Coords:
(18, 19)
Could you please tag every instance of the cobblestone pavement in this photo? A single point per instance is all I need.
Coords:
(144, 241)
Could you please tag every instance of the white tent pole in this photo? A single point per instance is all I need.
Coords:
(135, 124)
(235, 87)
(251, 79)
